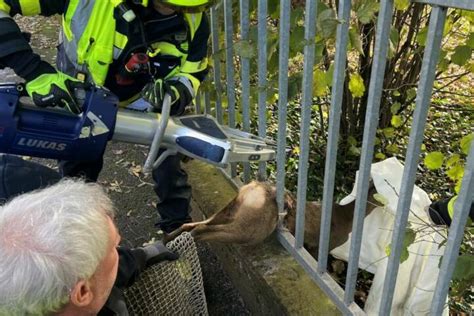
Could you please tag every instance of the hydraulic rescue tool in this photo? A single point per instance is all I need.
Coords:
(28, 130)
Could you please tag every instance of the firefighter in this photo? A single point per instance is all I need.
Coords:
(442, 212)
(98, 40)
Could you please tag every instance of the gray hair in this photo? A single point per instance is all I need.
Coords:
(49, 240)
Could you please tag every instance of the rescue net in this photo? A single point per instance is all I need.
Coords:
(170, 288)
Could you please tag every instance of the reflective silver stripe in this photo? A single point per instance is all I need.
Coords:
(81, 18)
(4, 15)
(187, 83)
(117, 52)
(70, 47)
(79, 23)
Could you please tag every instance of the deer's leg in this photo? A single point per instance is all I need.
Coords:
(218, 233)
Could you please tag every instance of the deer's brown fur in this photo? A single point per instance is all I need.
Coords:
(253, 215)
(341, 222)
(248, 219)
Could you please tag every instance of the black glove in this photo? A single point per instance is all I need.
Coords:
(158, 252)
(55, 89)
(181, 96)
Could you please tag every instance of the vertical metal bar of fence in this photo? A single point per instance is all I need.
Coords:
(456, 232)
(229, 59)
(284, 50)
(207, 103)
(198, 103)
(245, 79)
(217, 62)
(423, 98)
(342, 36)
(262, 78)
(310, 30)
(371, 123)
(229, 48)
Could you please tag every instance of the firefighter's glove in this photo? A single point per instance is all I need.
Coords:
(158, 252)
(181, 95)
(55, 89)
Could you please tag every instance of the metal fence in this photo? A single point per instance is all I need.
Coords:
(343, 298)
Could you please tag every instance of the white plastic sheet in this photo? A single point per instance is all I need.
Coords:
(418, 274)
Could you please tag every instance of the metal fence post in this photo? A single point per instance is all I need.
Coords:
(423, 98)
(262, 78)
(217, 63)
(371, 123)
(333, 132)
(307, 101)
(284, 49)
(245, 80)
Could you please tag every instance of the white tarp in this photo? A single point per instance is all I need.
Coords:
(417, 275)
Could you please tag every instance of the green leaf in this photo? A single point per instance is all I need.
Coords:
(457, 187)
(297, 40)
(409, 238)
(464, 268)
(395, 107)
(381, 199)
(454, 159)
(356, 85)
(327, 23)
(411, 93)
(355, 40)
(354, 151)
(319, 83)
(402, 5)
(351, 141)
(396, 121)
(366, 12)
(244, 49)
(466, 142)
(470, 40)
(434, 160)
(297, 14)
(462, 55)
(388, 132)
(422, 35)
(330, 75)
(380, 156)
(274, 8)
(394, 36)
(407, 241)
(392, 148)
(456, 172)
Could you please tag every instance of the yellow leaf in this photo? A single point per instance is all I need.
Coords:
(380, 156)
(356, 85)
(402, 5)
(319, 83)
(454, 159)
(456, 172)
(381, 199)
(434, 160)
(457, 188)
(396, 121)
(466, 142)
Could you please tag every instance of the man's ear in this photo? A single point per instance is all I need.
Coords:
(81, 295)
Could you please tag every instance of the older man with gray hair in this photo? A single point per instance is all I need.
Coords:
(59, 253)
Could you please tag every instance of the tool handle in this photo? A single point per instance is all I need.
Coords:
(159, 134)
